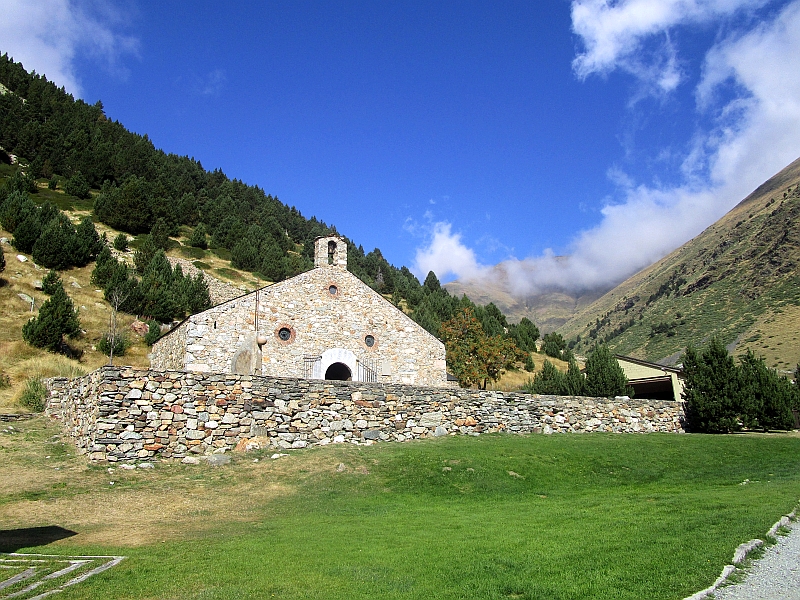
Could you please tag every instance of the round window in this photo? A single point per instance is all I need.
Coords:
(285, 334)
(369, 341)
(333, 290)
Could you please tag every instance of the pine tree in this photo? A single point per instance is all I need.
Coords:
(55, 248)
(121, 242)
(244, 255)
(51, 283)
(198, 239)
(160, 300)
(770, 396)
(27, 232)
(574, 381)
(529, 366)
(713, 397)
(77, 186)
(553, 344)
(525, 334)
(87, 243)
(160, 235)
(153, 333)
(549, 381)
(604, 375)
(16, 206)
(432, 282)
(104, 267)
(57, 317)
(144, 253)
(197, 297)
(272, 265)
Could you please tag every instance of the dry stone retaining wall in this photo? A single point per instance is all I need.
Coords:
(124, 414)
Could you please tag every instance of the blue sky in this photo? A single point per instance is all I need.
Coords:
(454, 136)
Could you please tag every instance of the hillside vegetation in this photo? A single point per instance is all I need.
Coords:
(737, 280)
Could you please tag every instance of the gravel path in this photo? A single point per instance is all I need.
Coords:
(776, 576)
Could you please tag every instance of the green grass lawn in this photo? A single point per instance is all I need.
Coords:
(556, 517)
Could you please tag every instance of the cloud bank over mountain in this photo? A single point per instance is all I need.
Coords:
(748, 94)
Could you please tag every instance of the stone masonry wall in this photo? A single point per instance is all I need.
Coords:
(169, 352)
(125, 414)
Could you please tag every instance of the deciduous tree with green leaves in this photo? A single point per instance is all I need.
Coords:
(472, 356)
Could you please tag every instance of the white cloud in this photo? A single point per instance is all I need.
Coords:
(47, 36)
(447, 255)
(756, 132)
(633, 35)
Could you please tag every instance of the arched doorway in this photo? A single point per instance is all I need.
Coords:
(339, 372)
(347, 369)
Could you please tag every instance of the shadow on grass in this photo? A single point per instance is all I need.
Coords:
(12, 540)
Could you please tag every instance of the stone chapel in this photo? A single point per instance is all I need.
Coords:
(322, 324)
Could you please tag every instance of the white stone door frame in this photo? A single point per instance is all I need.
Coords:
(339, 355)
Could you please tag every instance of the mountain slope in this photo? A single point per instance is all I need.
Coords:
(738, 280)
(549, 310)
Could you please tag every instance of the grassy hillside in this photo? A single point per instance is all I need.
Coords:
(739, 280)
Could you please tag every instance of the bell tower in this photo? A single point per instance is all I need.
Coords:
(330, 251)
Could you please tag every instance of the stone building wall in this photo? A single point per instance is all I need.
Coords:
(329, 314)
(169, 353)
(124, 414)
